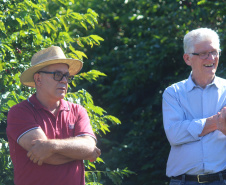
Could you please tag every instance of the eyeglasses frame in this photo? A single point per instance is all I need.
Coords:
(211, 52)
(69, 78)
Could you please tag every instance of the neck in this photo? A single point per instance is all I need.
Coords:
(48, 103)
(202, 82)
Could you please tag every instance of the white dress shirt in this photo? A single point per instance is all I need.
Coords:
(185, 109)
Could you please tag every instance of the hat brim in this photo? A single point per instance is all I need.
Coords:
(27, 77)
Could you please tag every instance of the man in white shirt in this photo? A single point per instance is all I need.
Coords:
(194, 115)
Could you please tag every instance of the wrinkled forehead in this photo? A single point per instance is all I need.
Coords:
(56, 67)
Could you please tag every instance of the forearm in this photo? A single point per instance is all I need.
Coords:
(182, 132)
(57, 159)
(221, 123)
(77, 148)
(210, 126)
(180, 128)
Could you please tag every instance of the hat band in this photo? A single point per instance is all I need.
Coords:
(50, 58)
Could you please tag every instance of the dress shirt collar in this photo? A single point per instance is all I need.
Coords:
(191, 84)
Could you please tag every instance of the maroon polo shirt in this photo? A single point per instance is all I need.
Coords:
(71, 120)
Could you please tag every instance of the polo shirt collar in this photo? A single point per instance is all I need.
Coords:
(64, 105)
(36, 104)
(191, 85)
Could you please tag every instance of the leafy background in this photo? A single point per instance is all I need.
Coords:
(132, 50)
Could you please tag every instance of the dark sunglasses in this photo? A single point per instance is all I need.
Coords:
(58, 76)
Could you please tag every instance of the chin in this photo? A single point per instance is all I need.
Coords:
(60, 96)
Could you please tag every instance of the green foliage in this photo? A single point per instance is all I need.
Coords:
(6, 172)
(116, 176)
(98, 118)
(90, 76)
(29, 26)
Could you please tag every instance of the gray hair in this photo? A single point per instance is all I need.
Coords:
(198, 35)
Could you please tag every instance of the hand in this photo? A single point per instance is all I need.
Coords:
(40, 150)
(221, 123)
(95, 155)
(210, 125)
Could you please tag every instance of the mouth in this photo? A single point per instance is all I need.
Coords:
(62, 88)
(209, 65)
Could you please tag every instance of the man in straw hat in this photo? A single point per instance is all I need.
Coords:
(49, 137)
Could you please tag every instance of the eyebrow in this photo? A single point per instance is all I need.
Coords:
(61, 72)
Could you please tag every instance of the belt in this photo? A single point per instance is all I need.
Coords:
(202, 178)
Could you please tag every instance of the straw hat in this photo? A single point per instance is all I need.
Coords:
(48, 56)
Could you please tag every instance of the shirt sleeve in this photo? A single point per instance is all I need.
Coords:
(178, 129)
(83, 126)
(20, 120)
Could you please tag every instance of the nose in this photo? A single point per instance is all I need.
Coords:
(64, 79)
(211, 56)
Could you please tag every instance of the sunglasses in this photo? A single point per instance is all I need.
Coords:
(58, 76)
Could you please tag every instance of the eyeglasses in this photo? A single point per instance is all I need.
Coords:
(205, 55)
(58, 76)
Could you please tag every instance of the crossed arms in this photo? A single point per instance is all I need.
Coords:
(180, 130)
(58, 151)
(215, 122)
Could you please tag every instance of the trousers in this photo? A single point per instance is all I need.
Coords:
(179, 182)
(183, 182)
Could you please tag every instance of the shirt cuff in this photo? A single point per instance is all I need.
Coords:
(196, 126)
(26, 132)
(87, 135)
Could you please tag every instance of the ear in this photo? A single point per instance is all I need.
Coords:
(187, 59)
(37, 79)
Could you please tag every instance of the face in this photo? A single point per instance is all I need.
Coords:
(203, 70)
(55, 90)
